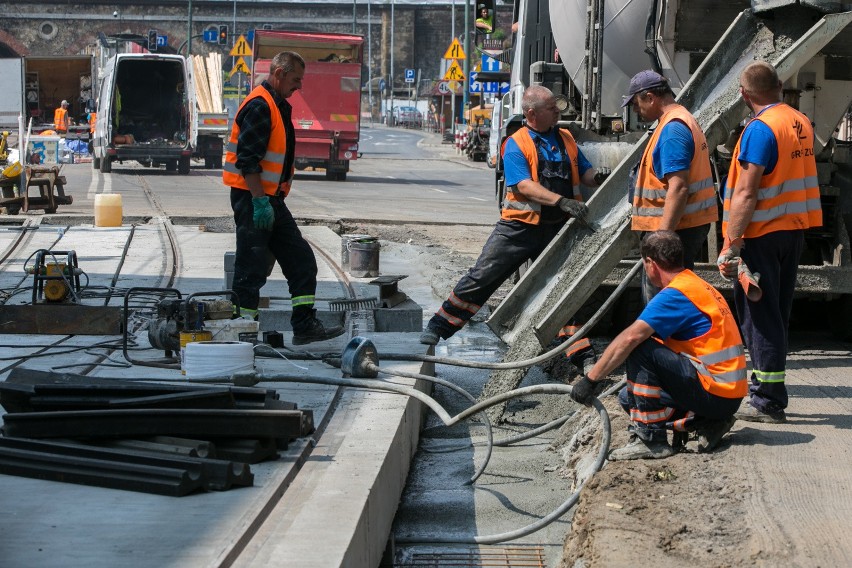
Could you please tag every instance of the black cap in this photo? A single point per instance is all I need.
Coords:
(642, 81)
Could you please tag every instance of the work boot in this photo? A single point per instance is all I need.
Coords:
(430, 336)
(752, 414)
(639, 449)
(710, 435)
(313, 330)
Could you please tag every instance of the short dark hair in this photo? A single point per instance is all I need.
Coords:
(663, 247)
(287, 61)
(660, 91)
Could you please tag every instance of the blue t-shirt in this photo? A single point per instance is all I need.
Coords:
(671, 314)
(757, 146)
(674, 150)
(516, 167)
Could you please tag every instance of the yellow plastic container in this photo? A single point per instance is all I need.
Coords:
(14, 170)
(108, 210)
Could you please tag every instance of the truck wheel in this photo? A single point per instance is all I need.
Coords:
(106, 165)
(341, 176)
(171, 165)
(96, 163)
(183, 166)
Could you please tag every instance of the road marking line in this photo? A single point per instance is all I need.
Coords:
(438, 190)
(475, 198)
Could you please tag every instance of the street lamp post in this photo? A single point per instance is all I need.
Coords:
(390, 112)
(189, 31)
(465, 95)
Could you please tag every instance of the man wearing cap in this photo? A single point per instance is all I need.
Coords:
(61, 121)
(674, 186)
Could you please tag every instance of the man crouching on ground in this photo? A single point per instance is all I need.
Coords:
(686, 366)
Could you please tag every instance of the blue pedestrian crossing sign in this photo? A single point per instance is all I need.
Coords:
(409, 75)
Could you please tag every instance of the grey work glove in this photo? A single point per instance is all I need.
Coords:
(601, 175)
(573, 207)
(729, 259)
(583, 391)
(263, 216)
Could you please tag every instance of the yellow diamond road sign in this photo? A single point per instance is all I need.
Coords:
(241, 48)
(455, 50)
(240, 67)
(454, 73)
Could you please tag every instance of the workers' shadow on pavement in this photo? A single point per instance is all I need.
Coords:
(749, 436)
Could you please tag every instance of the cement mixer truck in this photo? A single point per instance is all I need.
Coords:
(586, 53)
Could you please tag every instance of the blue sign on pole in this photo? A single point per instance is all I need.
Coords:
(210, 36)
(489, 63)
(409, 75)
(162, 41)
(382, 84)
(475, 86)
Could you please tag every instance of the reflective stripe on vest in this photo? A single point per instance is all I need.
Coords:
(718, 355)
(649, 198)
(517, 207)
(272, 163)
(788, 197)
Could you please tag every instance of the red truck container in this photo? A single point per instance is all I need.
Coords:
(327, 111)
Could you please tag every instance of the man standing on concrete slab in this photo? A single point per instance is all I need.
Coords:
(259, 166)
(544, 169)
(772, 196)
(674, 184)
(686, 366)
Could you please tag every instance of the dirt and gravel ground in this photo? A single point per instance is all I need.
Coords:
(771, 495)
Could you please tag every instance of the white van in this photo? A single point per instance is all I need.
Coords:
(146, 112)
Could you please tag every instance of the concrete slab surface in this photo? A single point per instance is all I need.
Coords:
(339, 487)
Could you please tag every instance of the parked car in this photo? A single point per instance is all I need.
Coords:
(407, 116)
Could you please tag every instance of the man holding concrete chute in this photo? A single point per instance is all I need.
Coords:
(544, 169)
(259, 166)
(686, 365)
(772, 196)
(674, 185)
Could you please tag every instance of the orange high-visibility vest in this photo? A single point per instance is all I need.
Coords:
(787, 198)
(650, 195)
(516, 207)
(60, 120)
(272, 162)
(718, 355)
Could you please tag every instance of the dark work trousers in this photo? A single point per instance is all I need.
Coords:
(765, 324)
(693, 239)
(286, 244)
(663, 387)
(510, 245)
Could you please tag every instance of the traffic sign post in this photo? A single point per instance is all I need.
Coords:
(454, 72)
(409, 75)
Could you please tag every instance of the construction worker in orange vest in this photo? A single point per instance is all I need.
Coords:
(544, 169)
(259, 166)
(686, 365)
(61, 120)
(771, 198)
(674, 188)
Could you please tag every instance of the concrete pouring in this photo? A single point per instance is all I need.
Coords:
(339, 487)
